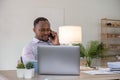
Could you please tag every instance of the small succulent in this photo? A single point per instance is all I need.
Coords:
(20, 66)
(29, 65)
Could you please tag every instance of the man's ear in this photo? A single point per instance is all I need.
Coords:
(34, 29)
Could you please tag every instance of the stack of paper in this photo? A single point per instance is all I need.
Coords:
(101, 71)
(114, 66)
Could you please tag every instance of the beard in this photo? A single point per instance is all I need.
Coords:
(44, 38)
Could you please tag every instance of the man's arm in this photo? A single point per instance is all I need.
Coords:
(27, 55)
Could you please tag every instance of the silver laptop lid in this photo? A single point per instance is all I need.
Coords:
(59, 59)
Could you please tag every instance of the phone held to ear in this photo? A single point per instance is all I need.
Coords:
(51, 36)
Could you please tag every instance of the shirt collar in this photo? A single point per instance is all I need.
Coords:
(35, 40)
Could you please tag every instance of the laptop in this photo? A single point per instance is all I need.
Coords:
(58, 60)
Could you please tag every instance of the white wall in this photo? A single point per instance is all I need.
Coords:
(16, 18)
(92, 11)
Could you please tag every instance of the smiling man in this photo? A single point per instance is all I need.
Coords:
(43, 35)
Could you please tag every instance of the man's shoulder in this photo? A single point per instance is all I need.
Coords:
(29, 45)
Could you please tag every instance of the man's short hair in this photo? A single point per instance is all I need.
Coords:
(36, 21)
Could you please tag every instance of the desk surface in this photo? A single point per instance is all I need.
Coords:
(11, 75)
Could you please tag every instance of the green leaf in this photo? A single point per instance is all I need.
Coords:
(29, 65)
(82, 49)
(20, 66)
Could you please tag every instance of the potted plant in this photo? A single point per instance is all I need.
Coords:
(93, 50)
(29, 71)
(20, 70)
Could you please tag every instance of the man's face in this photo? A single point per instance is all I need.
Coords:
(42, 30)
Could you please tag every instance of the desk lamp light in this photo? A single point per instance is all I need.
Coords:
(70, 34)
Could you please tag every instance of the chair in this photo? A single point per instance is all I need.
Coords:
(21, 59)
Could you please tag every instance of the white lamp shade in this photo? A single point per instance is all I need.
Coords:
(70, 34)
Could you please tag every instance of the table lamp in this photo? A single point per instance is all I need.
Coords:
(70, 34)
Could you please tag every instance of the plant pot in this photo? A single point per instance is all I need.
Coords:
(20, 73)
(83, 61)
(33, 72)
(96, 62)
(118, 57)
(29, 73)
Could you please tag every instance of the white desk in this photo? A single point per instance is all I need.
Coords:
(11, 75)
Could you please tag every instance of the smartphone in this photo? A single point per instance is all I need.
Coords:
(51, 36)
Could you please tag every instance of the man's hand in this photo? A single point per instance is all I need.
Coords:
(55, 40)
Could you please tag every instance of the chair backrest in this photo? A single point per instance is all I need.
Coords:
(21, 59)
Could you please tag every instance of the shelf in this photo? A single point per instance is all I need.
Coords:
(109, 19)
(113, 35)
(112, 26)
(114, 45)
(115, 49)
(110, 35)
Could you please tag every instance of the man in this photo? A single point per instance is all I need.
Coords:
(42, 37)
